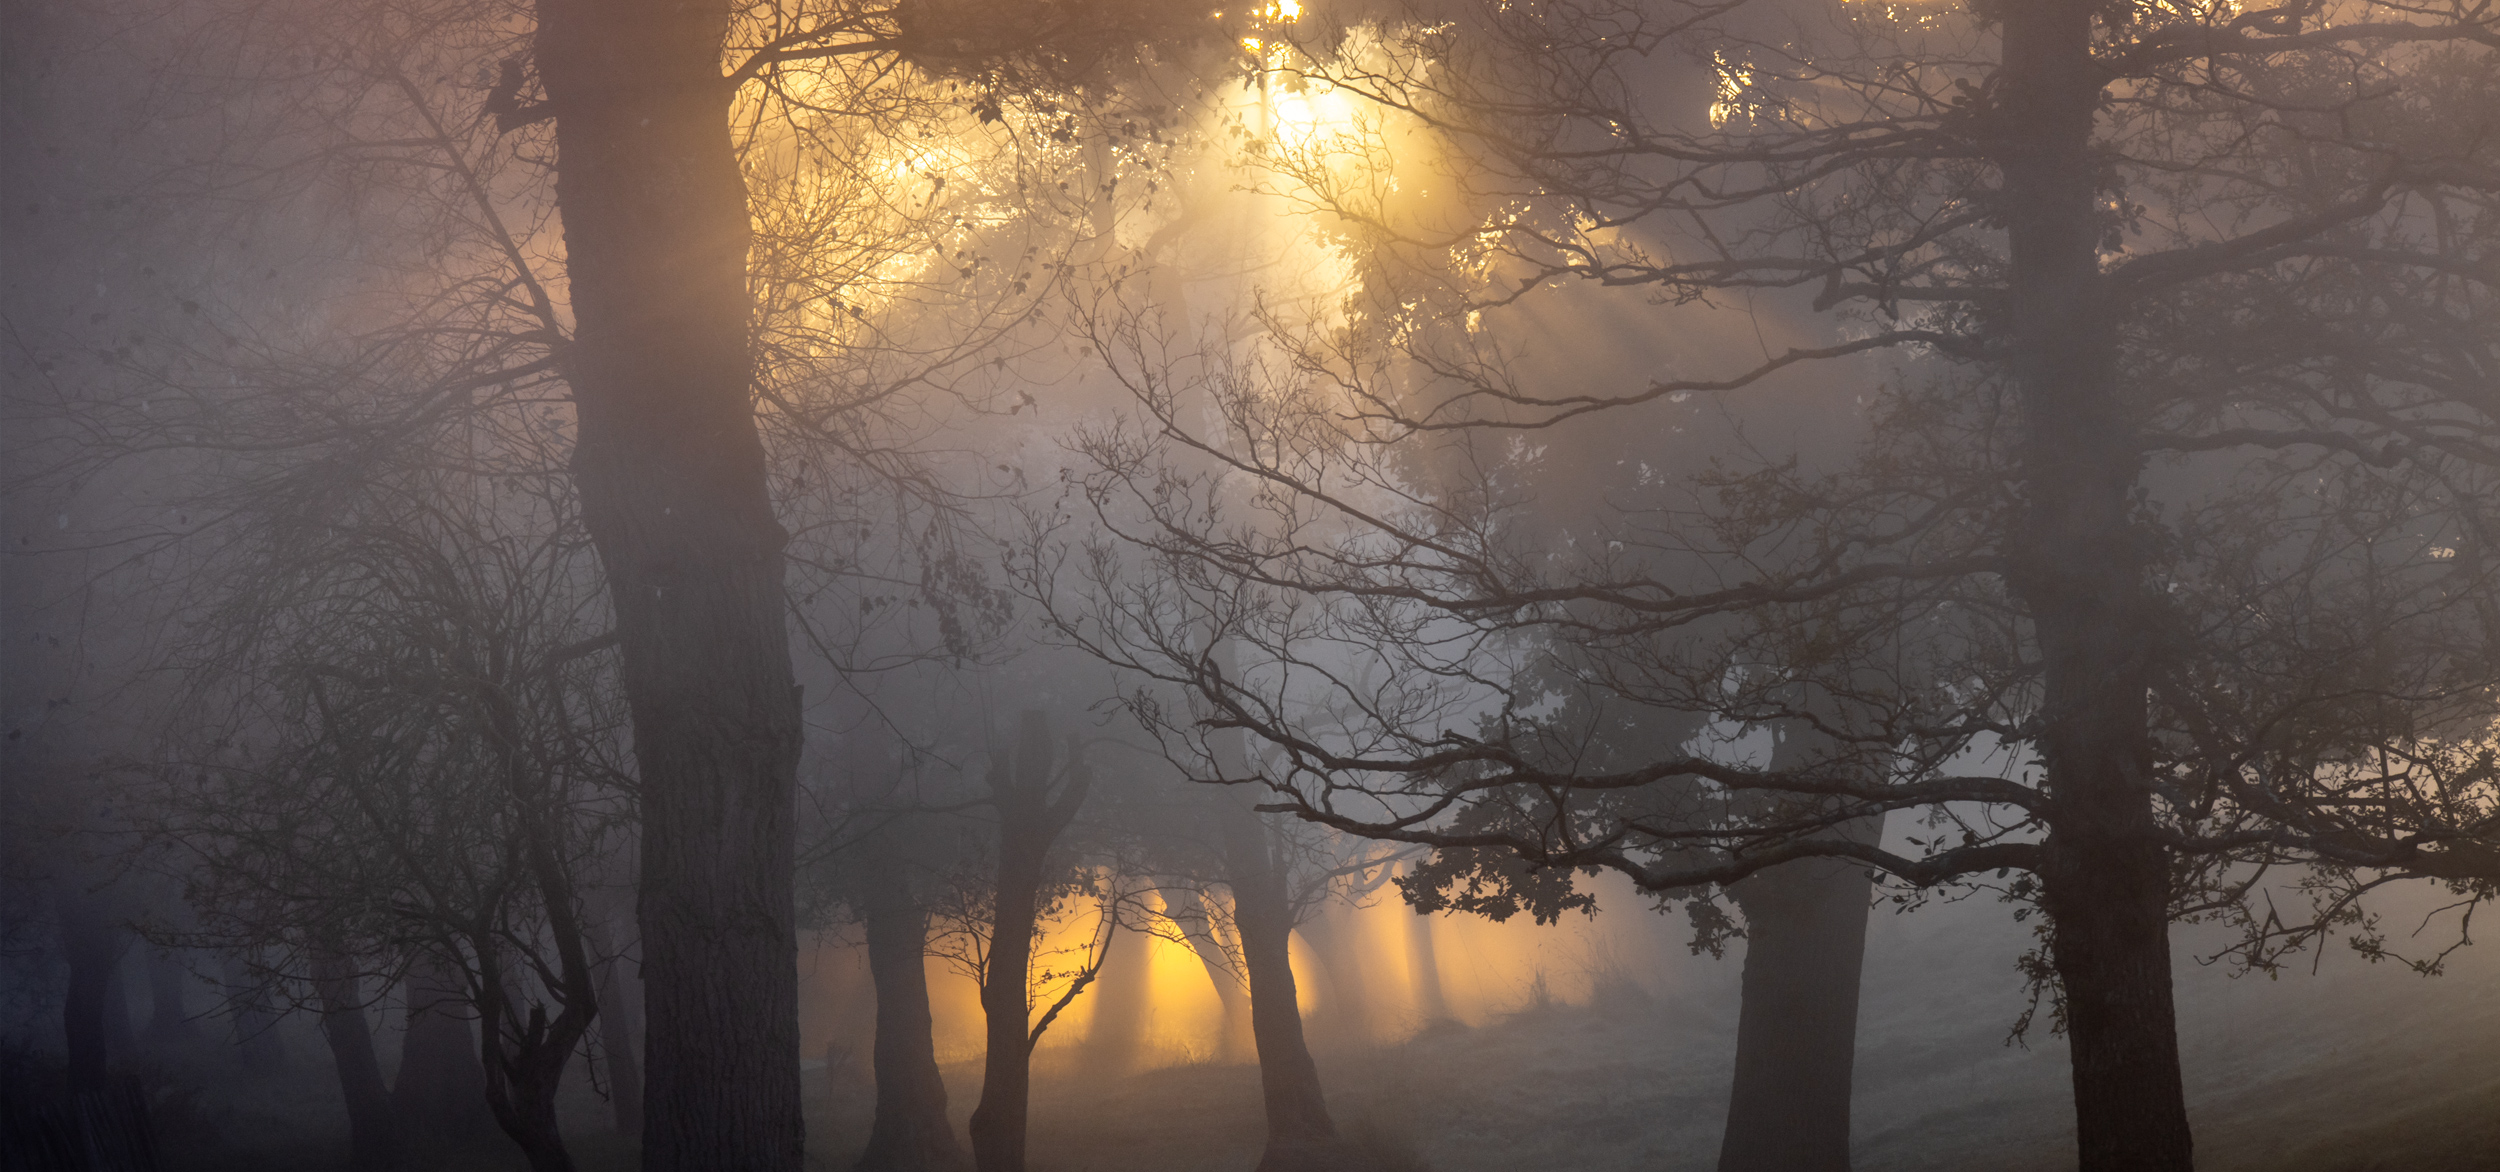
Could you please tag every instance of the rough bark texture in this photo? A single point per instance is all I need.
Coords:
(911, 1132)
(441, 1090)
(375, 1141)
(672, 481)
(1029, 822)
(2077, 565)
(1797, 1032)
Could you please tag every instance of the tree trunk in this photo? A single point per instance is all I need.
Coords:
(911, 1132)
(2078, 566)
(93, 948)
(440, 1093)
(1797, 1032)
(121, 1038)
(525, 1058)
(1345, 1012)
(1029, 822)
(1187, 910)
(1301, 1137)
(526, 1062)
(1423, 967)
(169, 1018)
(374, 1139)
(672, 480)
(616, 1031)
(999, 1120)
(1123, 1006)
(255, 1019)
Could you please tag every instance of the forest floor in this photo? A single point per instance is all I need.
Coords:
(2353, 1068)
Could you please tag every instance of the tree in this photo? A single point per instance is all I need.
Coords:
(376, 1141)
(2110, 235)
(1277, 881)
(471, 126)
(410, 755)
(1036, 792)
(878, 855)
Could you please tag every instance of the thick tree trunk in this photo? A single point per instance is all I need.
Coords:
(1029, 822)
(672, 480)
(440, 1093)
(911, 1132)
(374, 1134)
(1797, 1032)
(2077, 564)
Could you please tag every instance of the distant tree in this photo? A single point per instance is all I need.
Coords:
(878, 844)
(1035, 790)
(719, 174)
(1236, 886)
(411, 755)
(2177, 507)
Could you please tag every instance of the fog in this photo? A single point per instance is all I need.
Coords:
(964, 586)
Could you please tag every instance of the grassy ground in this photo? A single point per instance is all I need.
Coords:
(2357, 1068)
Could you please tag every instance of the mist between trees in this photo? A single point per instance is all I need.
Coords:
(1097, 583)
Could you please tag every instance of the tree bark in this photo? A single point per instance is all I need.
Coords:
(1029, 822)
(911, 1132)
(374, 1136)
(2077, 564)
(1797, 1032)
(672, 480)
